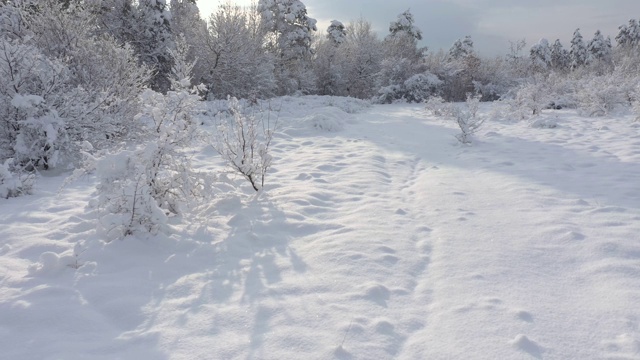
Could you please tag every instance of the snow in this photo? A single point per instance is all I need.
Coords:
(377, 236)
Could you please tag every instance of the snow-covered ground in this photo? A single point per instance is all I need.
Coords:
(379, 236)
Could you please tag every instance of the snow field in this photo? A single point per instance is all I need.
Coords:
(378, 237)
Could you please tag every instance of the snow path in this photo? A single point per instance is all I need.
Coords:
(385, 240)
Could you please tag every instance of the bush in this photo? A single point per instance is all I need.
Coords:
(599, 96)
(244, 142)
(467, 119)
(139, 189)
(417, 88)
(14, 182)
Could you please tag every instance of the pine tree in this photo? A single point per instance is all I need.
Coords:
(599, 48)
(540, 55)
(186, 21)
(153, 41)
(461, 48)
(117, 18)
(405, 24)
(336, 32)
(629, 36)
(578, 52)
(560, 59)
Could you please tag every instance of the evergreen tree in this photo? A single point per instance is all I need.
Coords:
(540, 55)
(404, 24)
(560, 59)
(186, 21)
(153, 40)
(461, 48)
(578, 53)
(599, 48)
(336, 32)
(117, 18)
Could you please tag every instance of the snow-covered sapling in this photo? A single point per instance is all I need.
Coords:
(244, 140)
(467, 119)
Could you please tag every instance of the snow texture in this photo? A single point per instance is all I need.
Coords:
(385, 240)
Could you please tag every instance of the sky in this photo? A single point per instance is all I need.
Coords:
(492, 24)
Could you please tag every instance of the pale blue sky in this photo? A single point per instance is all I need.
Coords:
(491, 23)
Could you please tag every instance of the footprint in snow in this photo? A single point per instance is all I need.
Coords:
(378, 294)
(522, 342)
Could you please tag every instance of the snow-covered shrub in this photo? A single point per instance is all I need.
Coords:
(389, 94)
(530, 100)
(139, 189)
(31, 96)
(125, 196)
(467, 119)
(416, 88)
(599, 96)
(57, 95)
(420, 87)
(14, 182)
(438, 107)
(243, 141)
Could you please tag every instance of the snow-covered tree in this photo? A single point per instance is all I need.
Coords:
(560, 60)
(405, 24)
(336, 32)
(362, 52)
(186, 21)
(291, 36)
(152, 40)
(79, 84)
(578, 53)
(402, 59)
(328, 62)
(236, 63)
(117, 18)
(540, 55)
(462, 69)
(599, 52)
(461, 48)
(629, 35)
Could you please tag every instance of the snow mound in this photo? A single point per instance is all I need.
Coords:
(329, 119)
(544, 123)
(50, 263)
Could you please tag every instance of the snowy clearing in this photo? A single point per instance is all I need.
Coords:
(378, 236)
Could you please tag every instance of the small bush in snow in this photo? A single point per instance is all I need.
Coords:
(14, 182)
(530, 100)
(467, 119)
(417, 88)
(438, 107)
(420, 87)
(243, 141)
